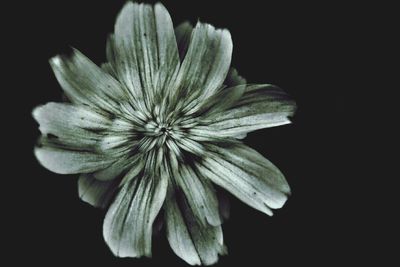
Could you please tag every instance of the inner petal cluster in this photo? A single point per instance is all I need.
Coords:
(161, 133)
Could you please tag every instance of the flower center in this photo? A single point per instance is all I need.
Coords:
(171, 135)
(163, 129)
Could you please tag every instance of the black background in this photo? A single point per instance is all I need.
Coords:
(303, 48)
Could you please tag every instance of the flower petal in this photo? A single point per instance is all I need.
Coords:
(200, 195)
(168, 55)
(121, 137)
(261, 106)
(113, 170)
(234, 88)
(108, 68)
(144, 50)
(224, 204)
(64, 161)
(246, 174)
(85, 83)
(230, 96)
(127, 227)
(178, 234)
(74, 126)
(96, 193)
(193, 242)
(182, 33)
(233, 78)
(206, 63)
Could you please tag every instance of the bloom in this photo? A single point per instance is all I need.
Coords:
(153, 128)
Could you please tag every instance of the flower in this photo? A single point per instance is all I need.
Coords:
(153, 128)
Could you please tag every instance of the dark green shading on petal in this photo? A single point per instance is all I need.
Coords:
(69, 138)
(247, 175)
(193, 242)
(261, 106)
(85, 83)
(183, 32)
(143, 50)
(128, 225)
(71, 126)
(233, 78)
(200, 195)
(205, 65)
(63, 161)
(96, 193)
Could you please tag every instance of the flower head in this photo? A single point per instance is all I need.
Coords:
(153, 128)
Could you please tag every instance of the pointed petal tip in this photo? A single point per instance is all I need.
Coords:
(87, 200)
(224, 250)
(211, 27)
(36, 112)
(214, 221)
(266, 209)
(160, 6)
(95, 193)
(116, 249)
(55, 61)
(45, 161)
(71, 53)
(39, 155)
(186, 23)
(128, 4)
(193, 261)
(281, 198)
(278, 204)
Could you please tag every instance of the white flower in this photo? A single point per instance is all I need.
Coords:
(155, 127)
